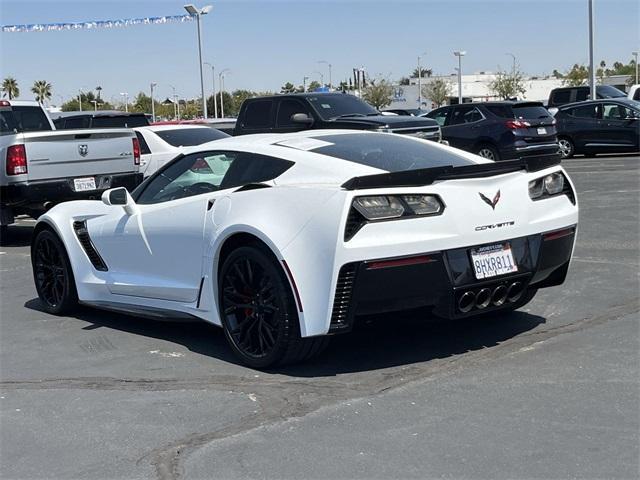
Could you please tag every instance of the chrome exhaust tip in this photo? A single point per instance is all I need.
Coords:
(467, 301)
(499, 295)
(515, 292)
(483, 299)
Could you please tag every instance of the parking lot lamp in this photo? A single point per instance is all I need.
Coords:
(80, 100)
(198, 12)
(460, 54)
(635, 54)
(126, 100)
(213, 85)
(153, 107)
(95, 105)
(420, 81)
(592, 70)
(329, 65)
(221, 86)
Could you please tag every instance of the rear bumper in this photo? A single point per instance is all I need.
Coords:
(34, 195)
(532, 150)
(439, 280)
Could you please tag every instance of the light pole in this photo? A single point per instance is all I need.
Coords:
(420, 81)
(126, 100)
(80, 99)
(221, 85)
(321, 77)
(592, 70)
(460, 54)
(95, 105)
(213, 84)
(153, 107)
(304, 83)
(329, 65)
(195, 12)
(635, 54)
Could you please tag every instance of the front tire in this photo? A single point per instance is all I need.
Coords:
(52, 274)
(488, 152)
(259, 313)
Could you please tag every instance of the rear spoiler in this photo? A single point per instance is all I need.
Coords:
(426, 176)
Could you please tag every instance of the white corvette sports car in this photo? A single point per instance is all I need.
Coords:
(284, 239)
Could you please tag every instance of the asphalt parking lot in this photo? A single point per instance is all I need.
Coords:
(551, 391)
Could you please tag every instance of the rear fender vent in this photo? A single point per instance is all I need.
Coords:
(342, 303)
(87, 245)
(355, 221)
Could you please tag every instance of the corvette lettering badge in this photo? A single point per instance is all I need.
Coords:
(491, 203)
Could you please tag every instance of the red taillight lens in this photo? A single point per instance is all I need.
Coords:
(515, 124)
(16, 160)
(136, 151)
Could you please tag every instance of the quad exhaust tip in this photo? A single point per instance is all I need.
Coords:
(485, 297)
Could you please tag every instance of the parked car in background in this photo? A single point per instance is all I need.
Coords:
(498, 130)
(312, 111)
(599, 126)
(415, 112)
(99, 119)
(162, 143)
(634, 93)
(40, 166)
(225, 125)
(564, 95)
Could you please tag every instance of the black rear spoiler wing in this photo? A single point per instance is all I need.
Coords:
(426, 176)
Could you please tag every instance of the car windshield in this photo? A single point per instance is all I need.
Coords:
(393, 153)
(334, 106)
(607, 91)
(186, 137)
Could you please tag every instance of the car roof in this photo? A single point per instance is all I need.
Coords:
(299, 95)
(623, 100)
(22, 103)
(99, 113)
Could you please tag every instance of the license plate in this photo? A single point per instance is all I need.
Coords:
(84, 184)
(542, 131)
(493, 260)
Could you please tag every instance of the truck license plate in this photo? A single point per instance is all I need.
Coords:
(84, 184)
(493, 260)
(542, 131)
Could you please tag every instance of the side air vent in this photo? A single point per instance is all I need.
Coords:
(87, 245)
(355, 221)
(340, 315)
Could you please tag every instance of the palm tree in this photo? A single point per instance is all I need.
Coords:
(42, 89)
(10, 88)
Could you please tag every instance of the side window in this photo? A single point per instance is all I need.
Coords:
(287, 108)
(636, 95)
(458, 115)
(144, 148)
(613, 111)
(582, 94)
(585, 111)
(258, 114)
(191, 175)
(253, 168)
(473, 115)
(562, 96)
(439, 115)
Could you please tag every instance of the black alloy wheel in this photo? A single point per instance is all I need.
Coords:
(258, 311)
(52, 273)
(489, 152)
(566, 147)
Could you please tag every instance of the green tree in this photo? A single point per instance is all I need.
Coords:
(10, 88)
(142, 103)
(426, 72)
(231, 108)
(288, 88)
(508, 85)
(313, 86)
(557, 74)
(42, 90)
(437, 91)
(378, 93)
(576, 77)
(404, 81)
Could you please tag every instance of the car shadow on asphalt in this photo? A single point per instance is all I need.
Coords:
(376, 342)
(17, 236)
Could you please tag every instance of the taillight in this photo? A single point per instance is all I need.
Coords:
(136, 151)
(16, 160)
(515, 124)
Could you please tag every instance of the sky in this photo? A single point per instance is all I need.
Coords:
(265, 43)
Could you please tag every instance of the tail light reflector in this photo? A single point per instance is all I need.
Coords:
(516, 124)
(136, 151)
(400, 262)
(16, 160)
(558, 234)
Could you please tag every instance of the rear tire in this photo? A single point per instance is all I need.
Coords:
(259, 313)
(566, 147)
(52, 274)
(489, 152)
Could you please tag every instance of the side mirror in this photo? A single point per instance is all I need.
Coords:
(301, 118)
(119, 196)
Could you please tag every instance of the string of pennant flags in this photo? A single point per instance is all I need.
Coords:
(90, 25)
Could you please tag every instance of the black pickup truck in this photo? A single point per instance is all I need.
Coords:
(307, 111)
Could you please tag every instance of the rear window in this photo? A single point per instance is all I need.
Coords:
(607, 91)
(530, 111)
(125, 121)
(385, 151)
(24, 119)
(502, 111)
(187, 137)
(7, 122)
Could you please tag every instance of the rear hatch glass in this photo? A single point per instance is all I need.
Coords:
(186, 137)
(124, 121)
